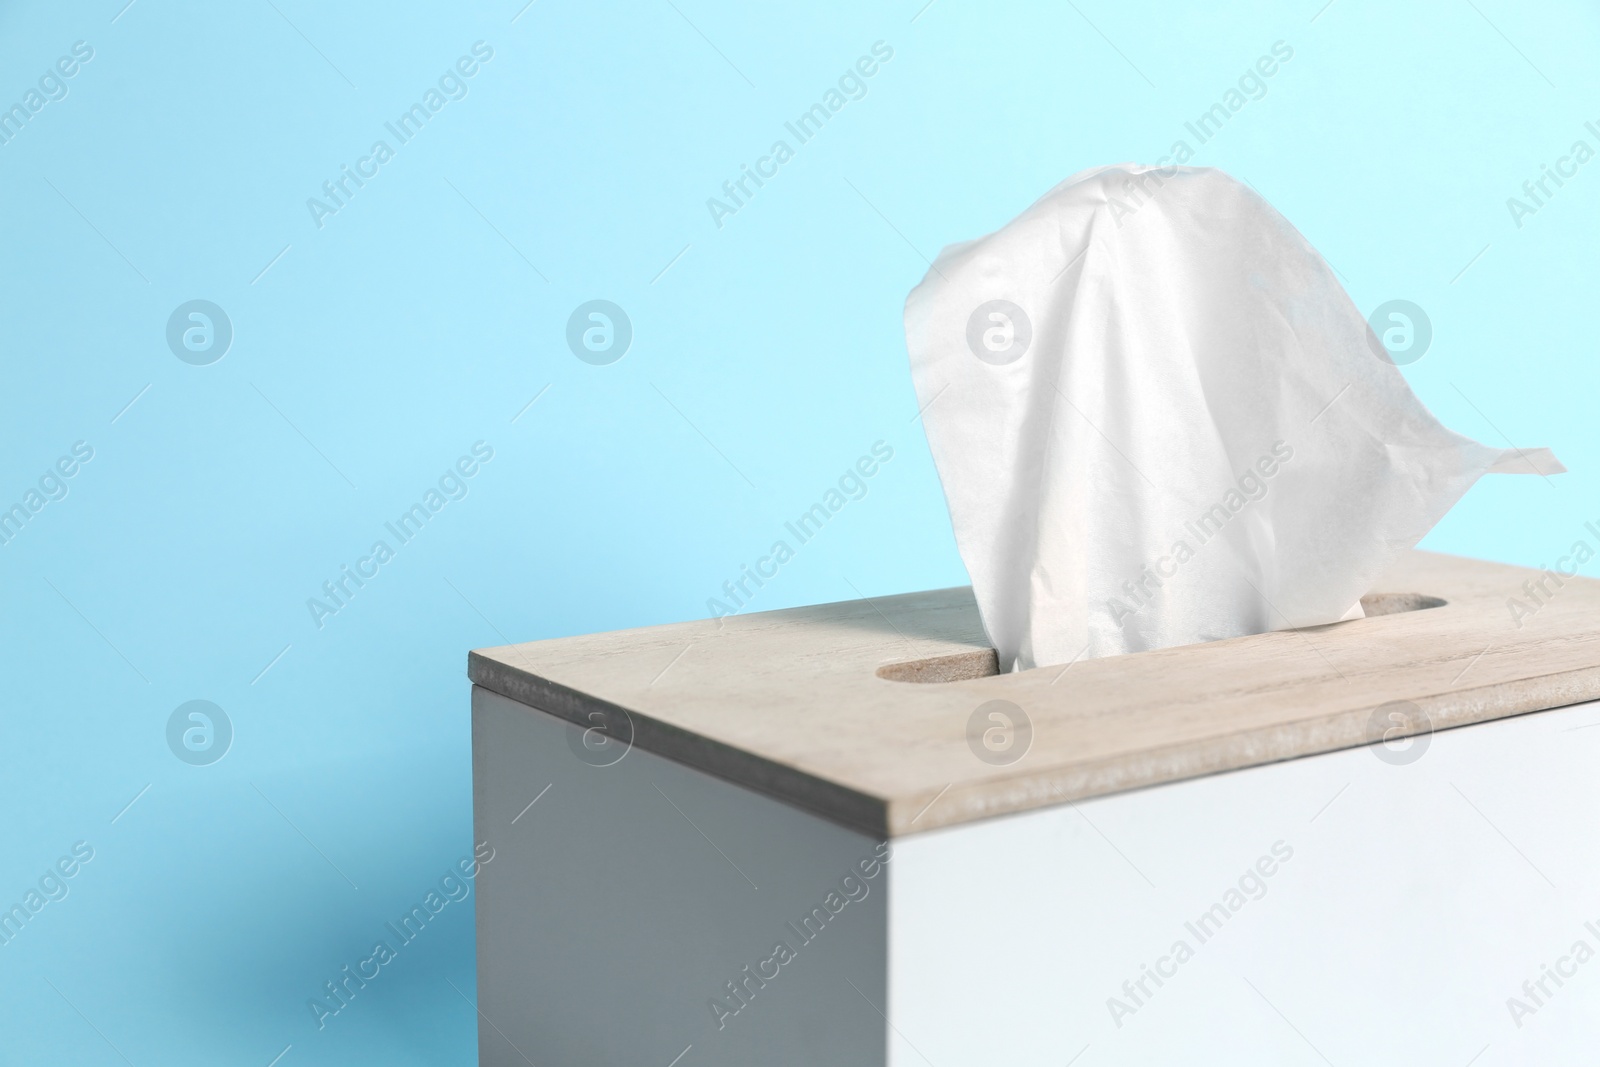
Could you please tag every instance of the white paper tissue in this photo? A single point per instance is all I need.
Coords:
(1159, 419)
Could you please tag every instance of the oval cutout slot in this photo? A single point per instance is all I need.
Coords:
(984, 662)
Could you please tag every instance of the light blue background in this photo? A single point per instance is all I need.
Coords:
(768, 357)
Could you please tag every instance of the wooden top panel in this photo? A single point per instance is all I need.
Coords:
(790, 702)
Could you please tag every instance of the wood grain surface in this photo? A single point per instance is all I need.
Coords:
(791, 703)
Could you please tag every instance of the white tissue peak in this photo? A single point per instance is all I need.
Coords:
(1159, 419)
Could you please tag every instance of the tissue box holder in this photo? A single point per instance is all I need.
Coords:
(834, 835)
